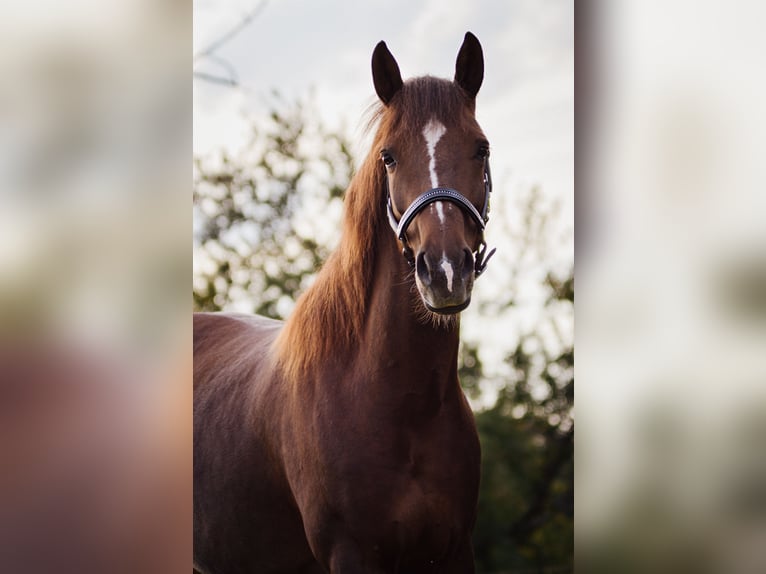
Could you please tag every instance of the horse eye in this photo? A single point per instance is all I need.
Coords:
(387, 158)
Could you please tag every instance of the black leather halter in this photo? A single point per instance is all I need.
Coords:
(481, 258)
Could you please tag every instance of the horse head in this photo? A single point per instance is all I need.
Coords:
(435, 158)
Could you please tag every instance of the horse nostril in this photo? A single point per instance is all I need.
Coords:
(421, 268)
(467, 263)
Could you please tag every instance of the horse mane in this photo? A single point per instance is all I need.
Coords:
(329, 317)
(331, 312)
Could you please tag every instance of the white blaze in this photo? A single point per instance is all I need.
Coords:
(448, 271)
(433, 132)
(440, 211)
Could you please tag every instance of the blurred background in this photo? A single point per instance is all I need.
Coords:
(671, 271)
(281, 95)
(95, 332)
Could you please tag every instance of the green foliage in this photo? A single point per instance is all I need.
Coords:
(257, 246)
(526, 509)
(257, 238)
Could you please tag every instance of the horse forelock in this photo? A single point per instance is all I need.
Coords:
(419, 101)
(329, 317)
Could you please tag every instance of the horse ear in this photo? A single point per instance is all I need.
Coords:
(469, 69)
(385, 73)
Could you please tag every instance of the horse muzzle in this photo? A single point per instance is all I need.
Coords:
(445, 282)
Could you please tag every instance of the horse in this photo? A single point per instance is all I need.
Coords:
(340, 440)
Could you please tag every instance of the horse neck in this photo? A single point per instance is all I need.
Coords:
(397, 340)
(362, 316)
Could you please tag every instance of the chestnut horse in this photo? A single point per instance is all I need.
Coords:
(340, 441)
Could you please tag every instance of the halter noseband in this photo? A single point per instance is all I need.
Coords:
(445, 194)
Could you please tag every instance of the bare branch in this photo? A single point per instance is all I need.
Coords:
(227, 66)
(215, 79)
(216, 44)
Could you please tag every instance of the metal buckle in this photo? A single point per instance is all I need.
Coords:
(482, 258)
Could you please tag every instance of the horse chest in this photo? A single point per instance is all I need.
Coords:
(411, 517)
(416, 487)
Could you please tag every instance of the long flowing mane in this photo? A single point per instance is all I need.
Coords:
(330, 314)
(332, 310)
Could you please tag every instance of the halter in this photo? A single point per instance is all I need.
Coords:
(481, 257)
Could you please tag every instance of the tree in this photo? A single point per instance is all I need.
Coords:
(258, 241)
(526, 503)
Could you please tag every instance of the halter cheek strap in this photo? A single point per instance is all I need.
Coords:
(445, 194)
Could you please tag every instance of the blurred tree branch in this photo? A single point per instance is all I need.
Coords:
(209, 53)
(213, 79)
